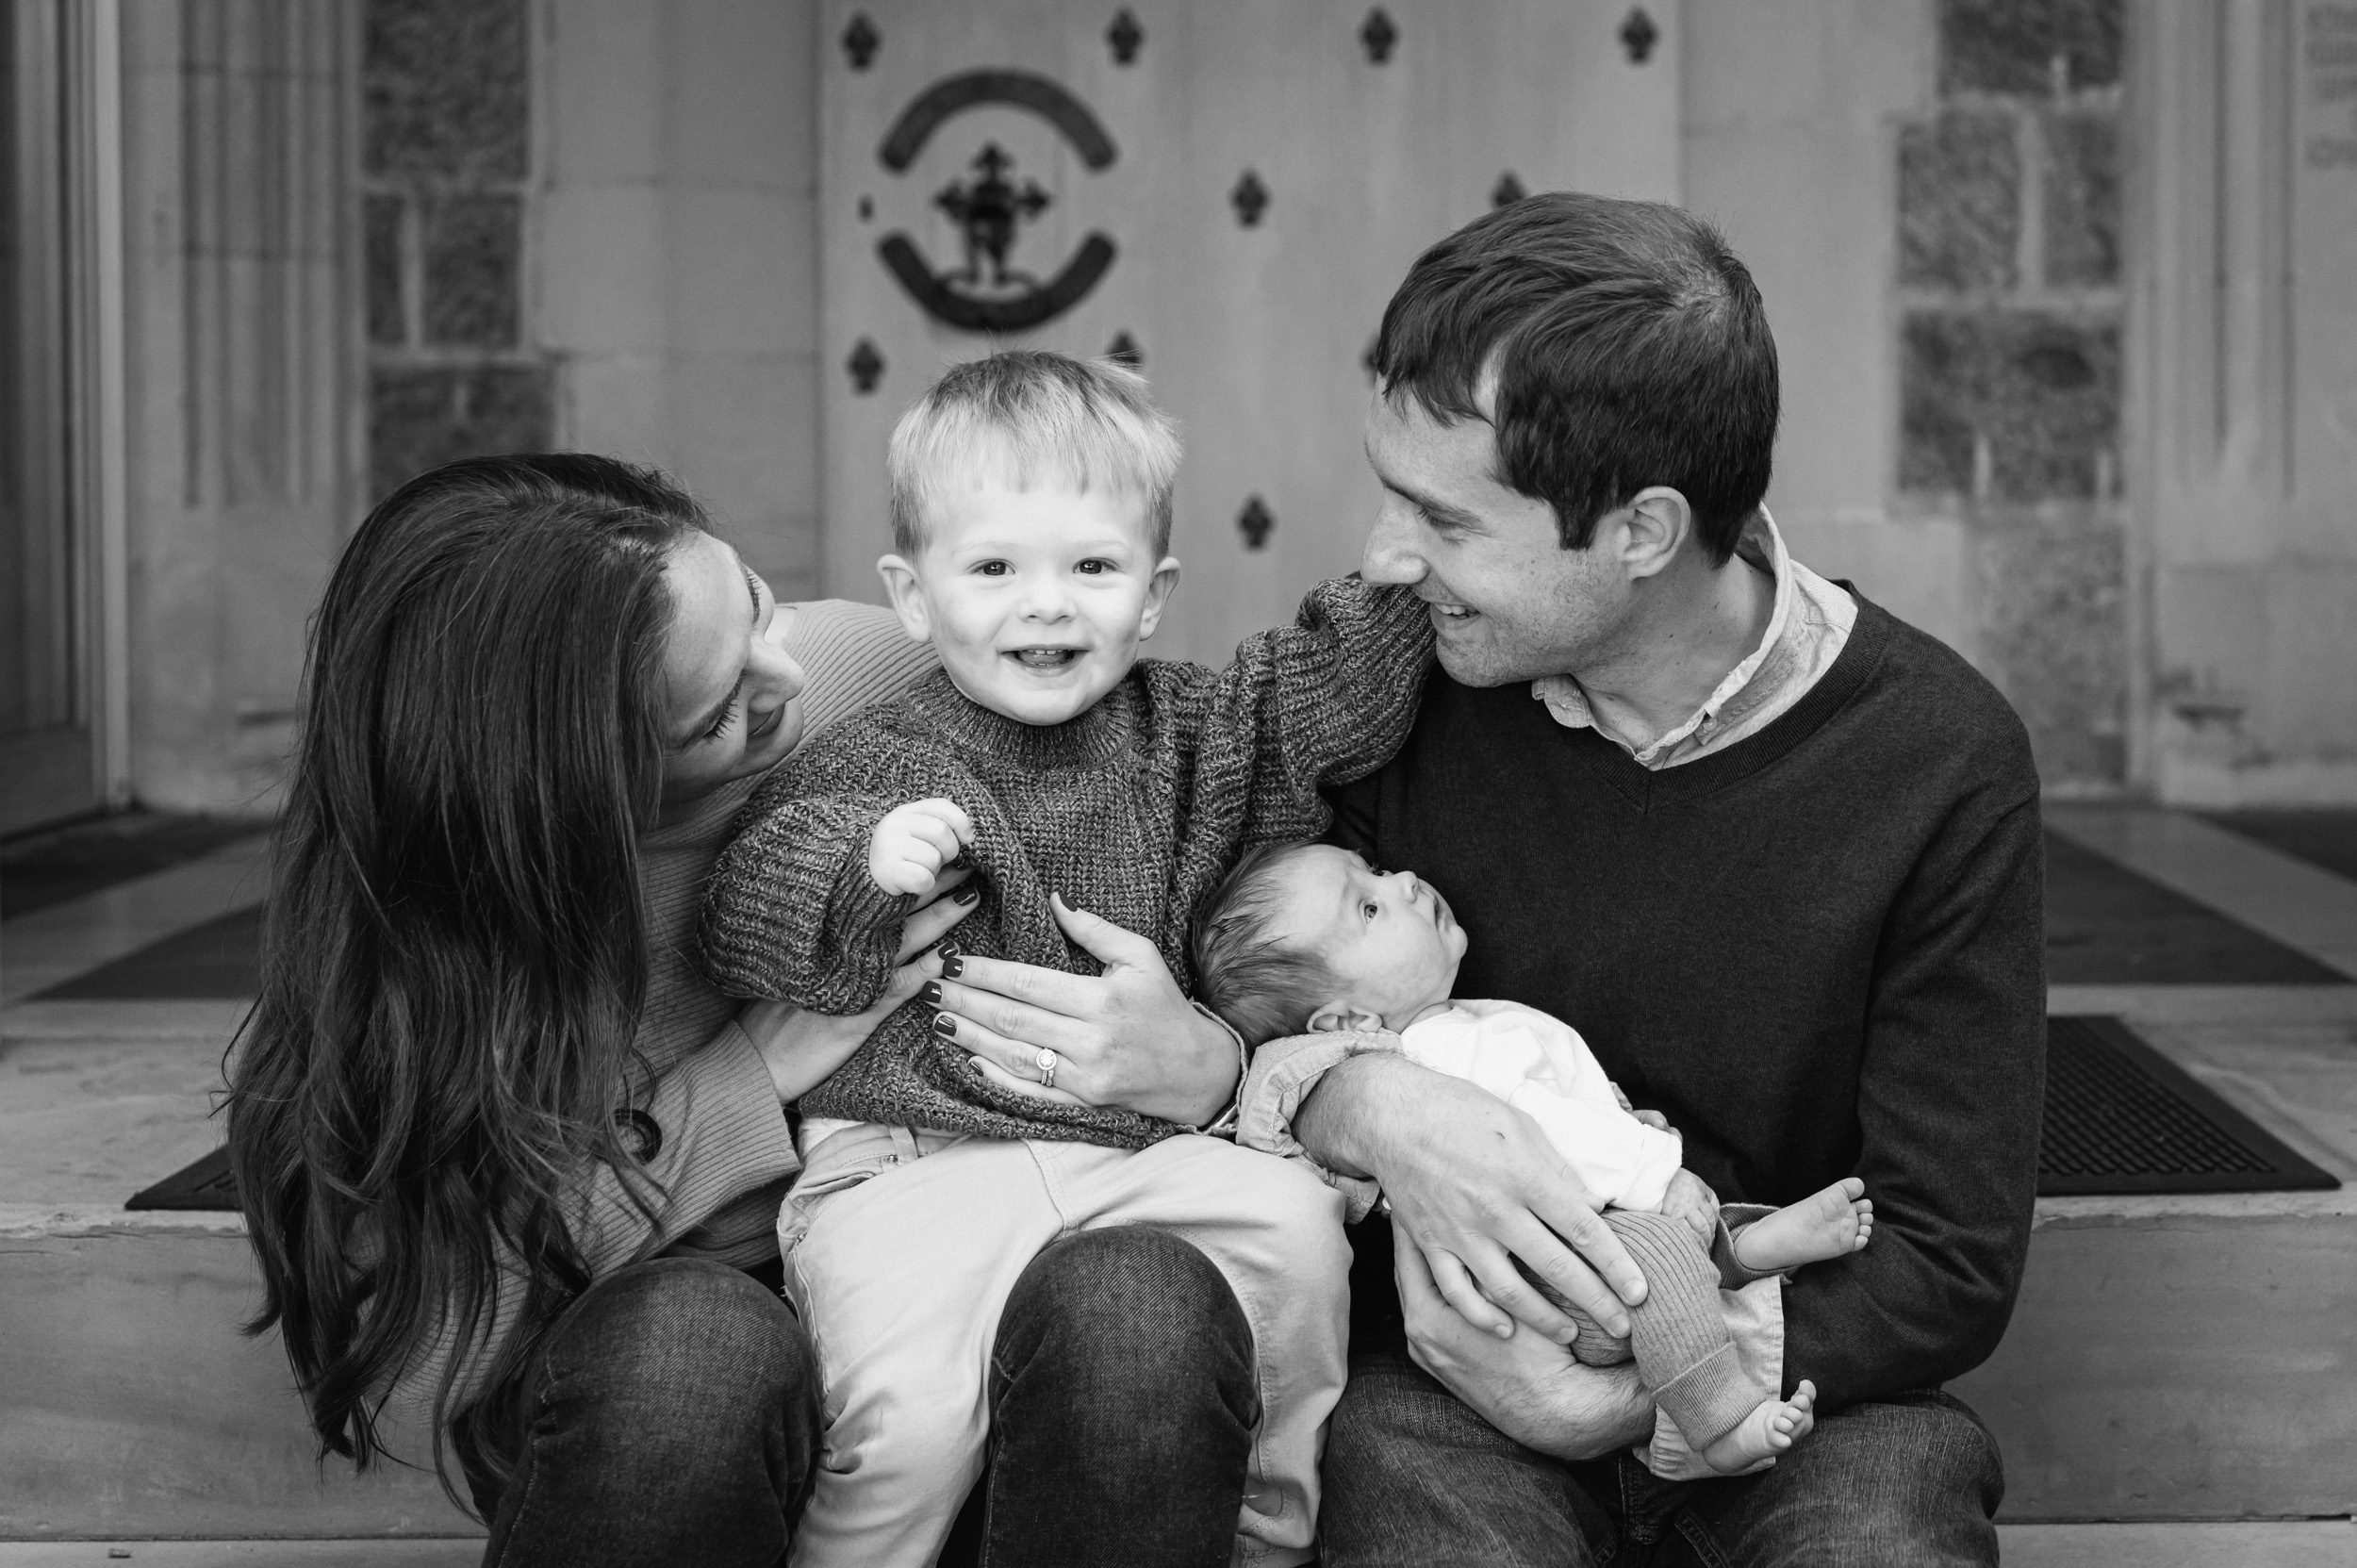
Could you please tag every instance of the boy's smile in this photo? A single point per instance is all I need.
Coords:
(1035, 598)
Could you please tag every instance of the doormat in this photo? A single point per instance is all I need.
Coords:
(206, 1184)
(2120, 1119)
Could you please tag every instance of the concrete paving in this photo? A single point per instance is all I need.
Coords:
(67, 939)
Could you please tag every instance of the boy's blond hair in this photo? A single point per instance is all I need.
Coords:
(1027, 416)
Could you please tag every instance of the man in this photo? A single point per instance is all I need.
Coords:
(1775, 855)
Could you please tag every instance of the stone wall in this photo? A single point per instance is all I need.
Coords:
(446, 192)
(2009, 344)
(677, 262)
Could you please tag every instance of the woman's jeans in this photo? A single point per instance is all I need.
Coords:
(671, 1416)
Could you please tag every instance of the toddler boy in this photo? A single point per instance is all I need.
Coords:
(1305, 937)
(1030, 501)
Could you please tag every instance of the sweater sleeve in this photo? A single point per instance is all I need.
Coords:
(720, 1132)
(1949, 1094)
(1325, 701)
(792, 914)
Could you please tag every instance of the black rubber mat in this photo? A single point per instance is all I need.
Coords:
(2326, 839)
(204, 1184)
(53, 868)
(2121, 1118)
(219, 960)
(2105, 925)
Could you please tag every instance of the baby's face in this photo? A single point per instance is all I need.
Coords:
(1388, 936)
(1035, 598)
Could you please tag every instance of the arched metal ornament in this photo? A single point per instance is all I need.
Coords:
(989, 229)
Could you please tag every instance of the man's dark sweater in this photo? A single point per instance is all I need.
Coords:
(1819, 952)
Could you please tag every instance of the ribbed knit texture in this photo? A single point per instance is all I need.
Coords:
(1818, 952)
(1131, 811)
(1677, 1335)
(726, 1156)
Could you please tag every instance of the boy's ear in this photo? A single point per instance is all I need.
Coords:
(1340, 1017)
(1157, 595)
(1658, 523)
(908, 600)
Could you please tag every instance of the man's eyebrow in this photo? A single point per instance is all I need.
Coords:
(1440, 511)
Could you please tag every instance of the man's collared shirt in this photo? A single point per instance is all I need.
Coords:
(1806, 631)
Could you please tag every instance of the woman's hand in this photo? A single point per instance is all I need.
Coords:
(1127, 1037)
(802, 1047)
(1474, 1185)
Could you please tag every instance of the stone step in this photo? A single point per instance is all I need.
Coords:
(2173, 1358)
(2194, 1356)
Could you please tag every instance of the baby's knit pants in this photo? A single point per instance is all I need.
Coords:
(1678, 1333)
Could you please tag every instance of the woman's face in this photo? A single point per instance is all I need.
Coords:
(730, 690)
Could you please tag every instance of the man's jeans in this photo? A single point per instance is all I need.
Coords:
(1414, 1476)
(671, 1416)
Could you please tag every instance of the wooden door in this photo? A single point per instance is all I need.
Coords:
(1230, 188)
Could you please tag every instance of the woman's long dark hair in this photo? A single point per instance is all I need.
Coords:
(455, 951)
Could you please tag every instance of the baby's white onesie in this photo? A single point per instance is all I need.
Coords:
(1540, 1066)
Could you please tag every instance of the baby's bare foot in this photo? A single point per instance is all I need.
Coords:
(1775, 1426)
(1832, 1224)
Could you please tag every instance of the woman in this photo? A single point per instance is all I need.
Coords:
(505, 1156)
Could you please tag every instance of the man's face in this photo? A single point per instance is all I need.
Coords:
(1508, 602)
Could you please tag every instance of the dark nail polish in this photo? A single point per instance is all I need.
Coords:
(967, 895)
(945, 1026)
(930, 995)
(945, 949)
(952, 966)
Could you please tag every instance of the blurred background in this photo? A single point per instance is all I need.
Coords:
(2066, 293)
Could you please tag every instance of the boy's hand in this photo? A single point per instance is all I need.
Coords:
(912, 843)
(1687, 1197)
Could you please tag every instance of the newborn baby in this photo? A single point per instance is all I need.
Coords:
(1305, 937)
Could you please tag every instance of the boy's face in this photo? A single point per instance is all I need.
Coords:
(1036, 599)
(1388, 937)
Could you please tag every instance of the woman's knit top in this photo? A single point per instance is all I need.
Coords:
(1132, 811)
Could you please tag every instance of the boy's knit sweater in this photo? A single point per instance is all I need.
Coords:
(1131, 811)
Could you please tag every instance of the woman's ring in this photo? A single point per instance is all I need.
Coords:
(1046, 1062)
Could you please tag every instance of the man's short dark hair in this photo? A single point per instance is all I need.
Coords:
(1630, 347)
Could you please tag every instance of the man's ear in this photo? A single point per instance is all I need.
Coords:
(1657, 525)
(907, 598)
(1340, 1017)
(1157, 595)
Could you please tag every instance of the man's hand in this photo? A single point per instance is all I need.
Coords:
(1477, 1184)
(1687, 1197)
(1128, 1037)
(800, 1048)
(912, 843)
(1525, 1387)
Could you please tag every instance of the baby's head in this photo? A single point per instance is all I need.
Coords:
(1303, 937)
(1031, 528)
